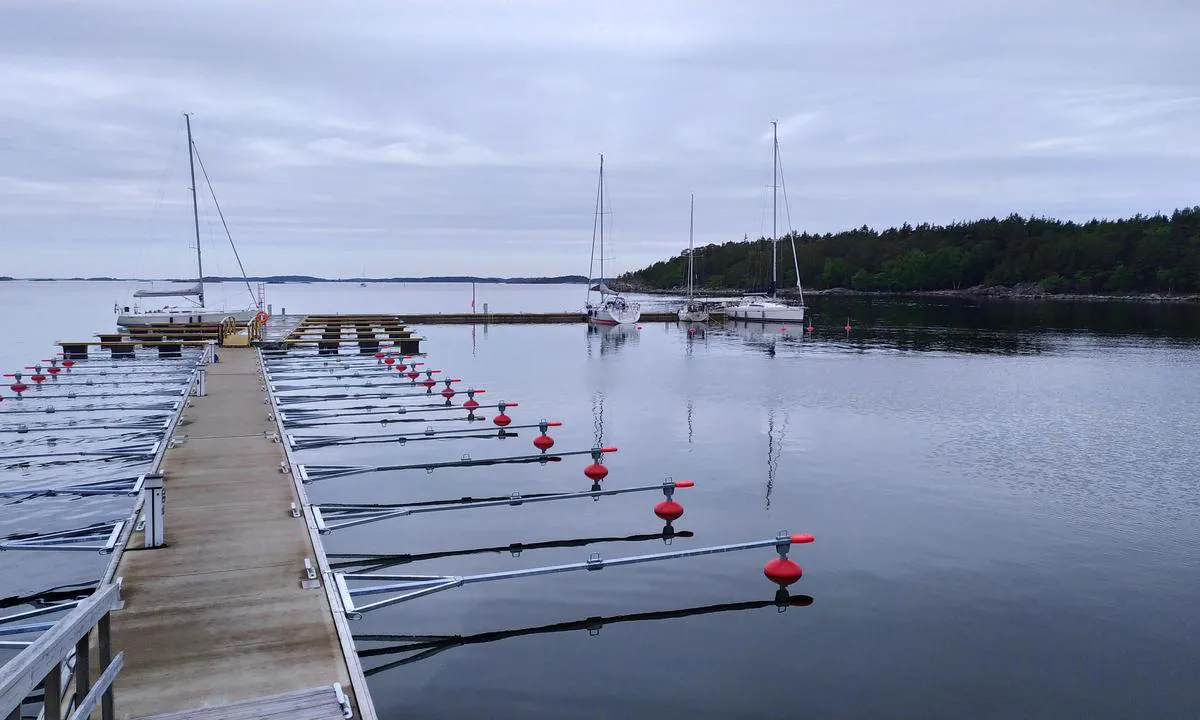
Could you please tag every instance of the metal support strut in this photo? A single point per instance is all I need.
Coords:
(410, 587)
(330, 517)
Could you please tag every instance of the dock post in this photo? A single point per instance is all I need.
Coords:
(152, 489)
(51, 697)
(104, 651)
(201, 377)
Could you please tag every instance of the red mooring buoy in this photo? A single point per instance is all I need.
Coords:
(68, 363)
(782, 572)
(810, 328)
(39, 379)
(471, 404)
(543, 442)
(502, 420)
(596, 472)
(447, 393)
(389, 361)
(379, 356)
(19, 387)
(53, 370)
(669, 510)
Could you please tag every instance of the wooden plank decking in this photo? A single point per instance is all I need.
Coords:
(219, 615)
(315, 704)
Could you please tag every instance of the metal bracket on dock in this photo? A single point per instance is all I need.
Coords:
(343, 701)
(295, 511)
(310, 581)
(152, 507)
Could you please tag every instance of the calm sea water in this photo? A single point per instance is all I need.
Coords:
(1004, 499)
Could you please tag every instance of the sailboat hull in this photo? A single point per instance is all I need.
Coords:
(611, 313)
(183, 316)
(766, 312)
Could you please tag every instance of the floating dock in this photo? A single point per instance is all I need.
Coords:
(220, 602)
(221, 615)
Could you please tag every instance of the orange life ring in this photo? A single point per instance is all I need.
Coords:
(262, 317)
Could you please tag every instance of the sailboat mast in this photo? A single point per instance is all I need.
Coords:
(691, 252)
(774, 205)
(195, 209)
(602, 222)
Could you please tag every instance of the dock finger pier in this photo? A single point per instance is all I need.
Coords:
(210, 465)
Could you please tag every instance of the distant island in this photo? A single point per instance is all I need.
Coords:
(556, 280)
(1015, 255)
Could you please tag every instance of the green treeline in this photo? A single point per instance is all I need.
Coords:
(1140, 254)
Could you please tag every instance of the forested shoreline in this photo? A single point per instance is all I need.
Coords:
(1142, 254)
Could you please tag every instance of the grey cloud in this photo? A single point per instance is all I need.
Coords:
(430, 138)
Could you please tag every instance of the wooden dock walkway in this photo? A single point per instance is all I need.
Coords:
(218, 617)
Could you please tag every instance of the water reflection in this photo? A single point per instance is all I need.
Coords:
(764, 336)
(689, 421)
(598, 418)
(611, 338)
(415, 648)
(1178, 320)
(374, 562)
(996, 327)
(776, 432)
(1006, 327)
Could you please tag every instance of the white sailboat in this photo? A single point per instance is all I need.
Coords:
(692, 311)
(613, 308)
(765, 307)
(197, 312)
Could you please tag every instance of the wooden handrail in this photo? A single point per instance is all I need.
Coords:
(42, 661)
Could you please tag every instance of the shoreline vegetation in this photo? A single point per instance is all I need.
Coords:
(1155, 258)
(994, 292)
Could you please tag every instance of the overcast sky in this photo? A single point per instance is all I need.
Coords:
(417, 138)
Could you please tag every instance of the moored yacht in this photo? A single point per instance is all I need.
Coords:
(136, 314)
(612, 308)
(766, 307)
(692, 310)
